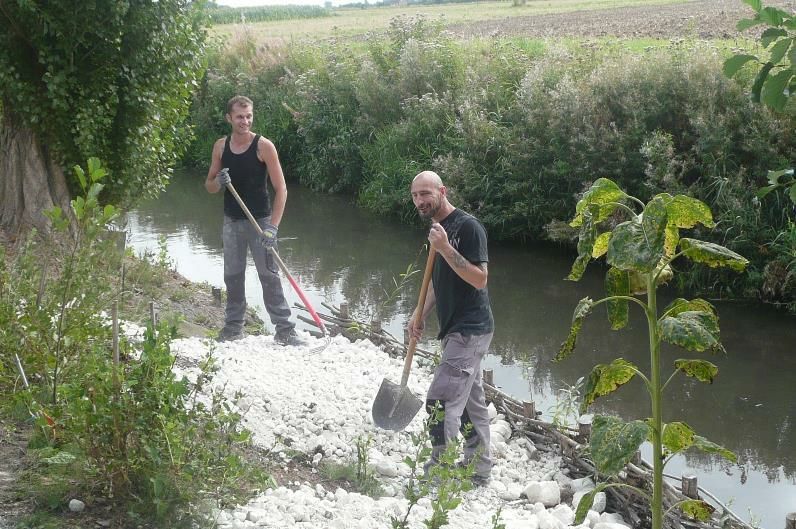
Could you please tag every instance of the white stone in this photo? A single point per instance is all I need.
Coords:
(499, 448)
(511, 493)
(546, 492)
(582, 484)
(255, 515)
(386, 468)
(564, 513)
(497, 486)
(600, 502)
(609, 525)
(76, 505)
(548, 521)
(611, 517)
(491, 411)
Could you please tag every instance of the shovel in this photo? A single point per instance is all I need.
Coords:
(285, 271)
(395, 406)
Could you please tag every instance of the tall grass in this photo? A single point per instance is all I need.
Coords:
(517, 129)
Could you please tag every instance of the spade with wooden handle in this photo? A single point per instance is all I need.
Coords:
(395, 406)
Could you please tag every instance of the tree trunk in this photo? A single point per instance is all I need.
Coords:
(30, 180)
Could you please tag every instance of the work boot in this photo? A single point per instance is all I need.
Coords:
(476, 479)
(228, 334)
(288, 337)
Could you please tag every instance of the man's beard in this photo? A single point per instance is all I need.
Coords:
(431, 211)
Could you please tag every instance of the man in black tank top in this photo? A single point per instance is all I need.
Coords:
(248, 160)
(458, 290)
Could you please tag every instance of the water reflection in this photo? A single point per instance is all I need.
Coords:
(337, 252)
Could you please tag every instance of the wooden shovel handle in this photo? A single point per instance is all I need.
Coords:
(410, 352)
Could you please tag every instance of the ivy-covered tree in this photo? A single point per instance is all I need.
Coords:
(105, 78)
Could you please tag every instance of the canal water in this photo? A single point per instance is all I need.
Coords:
(338, 252)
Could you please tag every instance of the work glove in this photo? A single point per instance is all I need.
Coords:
(268, 237)
(223, 178)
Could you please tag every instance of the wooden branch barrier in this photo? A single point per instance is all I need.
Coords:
(570, 443)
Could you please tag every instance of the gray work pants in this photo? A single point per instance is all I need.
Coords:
(238, 235)
(457, 387)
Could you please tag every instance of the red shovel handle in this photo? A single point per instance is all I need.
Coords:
(279, 261)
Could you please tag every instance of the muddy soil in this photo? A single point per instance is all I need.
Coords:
(703, 19)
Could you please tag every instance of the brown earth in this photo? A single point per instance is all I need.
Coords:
(704, 19)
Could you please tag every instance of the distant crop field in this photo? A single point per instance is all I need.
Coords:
(349, 22)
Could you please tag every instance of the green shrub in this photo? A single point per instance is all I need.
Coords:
(127, 431)
(518, 129)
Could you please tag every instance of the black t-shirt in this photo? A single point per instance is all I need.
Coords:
(461, 307)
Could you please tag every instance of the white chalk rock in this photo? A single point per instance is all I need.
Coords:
(511, 493)
(564, 513)
(529, 523)
(609, 525)
(546, 492)
(255, 515)
(582, 484)
(386, 468)
(76, 505)
(499, 431)
(611, 517)
(598, 502)
(499, 448)
(497, 486)
(548, 521)
(492, 411)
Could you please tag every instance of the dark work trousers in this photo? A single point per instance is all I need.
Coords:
(458, 389)
(238, 235)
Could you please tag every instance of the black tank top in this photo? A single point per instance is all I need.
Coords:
(248, 175)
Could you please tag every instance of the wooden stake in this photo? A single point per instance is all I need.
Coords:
(115, 315)
(790, 520)
(690, 487)
(529, 409)
(344, 310)
(489, 377)
(584, 426)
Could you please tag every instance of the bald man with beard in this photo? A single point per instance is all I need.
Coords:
(459, 291)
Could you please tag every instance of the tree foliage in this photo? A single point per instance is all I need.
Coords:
(104, 78)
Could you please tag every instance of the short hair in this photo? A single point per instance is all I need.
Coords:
(238, 100)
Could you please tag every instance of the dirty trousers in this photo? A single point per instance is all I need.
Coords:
(238, 236)
(458, 389)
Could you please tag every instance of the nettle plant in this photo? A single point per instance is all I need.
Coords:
(639, 252)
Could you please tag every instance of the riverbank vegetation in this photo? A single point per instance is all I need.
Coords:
(112, 426)
(519, 128)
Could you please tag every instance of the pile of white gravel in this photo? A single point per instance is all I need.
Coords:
(320, 403)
